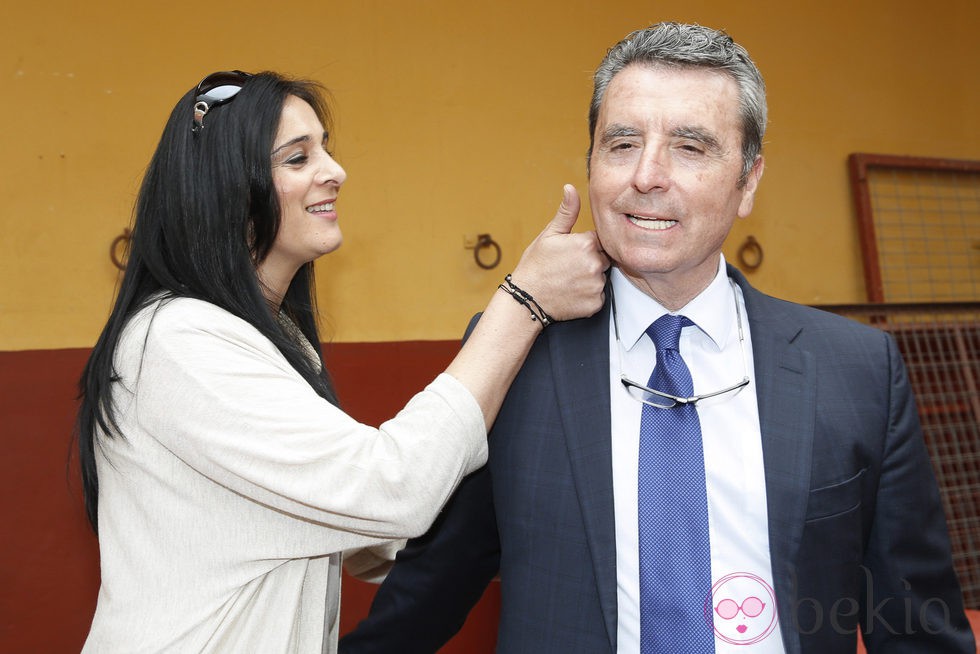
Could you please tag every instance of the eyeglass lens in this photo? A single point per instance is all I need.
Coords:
(223, 92)
(233, 78)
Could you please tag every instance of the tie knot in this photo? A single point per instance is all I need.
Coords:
(665, 331)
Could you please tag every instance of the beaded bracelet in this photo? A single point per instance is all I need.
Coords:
(524, 298)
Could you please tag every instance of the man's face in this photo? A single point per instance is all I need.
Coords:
(665, 169)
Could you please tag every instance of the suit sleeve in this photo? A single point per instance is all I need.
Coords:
(913, 601)
(436, 579)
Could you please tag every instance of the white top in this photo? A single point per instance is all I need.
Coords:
(227, 502)
(734, 472)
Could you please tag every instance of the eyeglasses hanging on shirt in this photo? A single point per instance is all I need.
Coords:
(661, 400)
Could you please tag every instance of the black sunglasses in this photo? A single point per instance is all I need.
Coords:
(214, 90)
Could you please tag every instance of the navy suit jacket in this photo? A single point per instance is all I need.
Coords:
(856, 528)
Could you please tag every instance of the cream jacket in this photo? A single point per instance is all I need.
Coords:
(226, 503)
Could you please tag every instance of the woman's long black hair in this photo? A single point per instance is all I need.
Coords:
(207, 211)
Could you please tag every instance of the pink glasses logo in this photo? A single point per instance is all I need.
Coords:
(741, 609)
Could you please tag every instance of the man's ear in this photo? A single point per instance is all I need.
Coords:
(749, 186)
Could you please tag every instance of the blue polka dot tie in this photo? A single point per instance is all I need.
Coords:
(675, 552)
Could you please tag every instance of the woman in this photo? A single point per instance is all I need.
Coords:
(220, 475)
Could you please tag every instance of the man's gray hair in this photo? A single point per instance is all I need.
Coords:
(680, 45)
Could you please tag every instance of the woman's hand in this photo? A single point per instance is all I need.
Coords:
(564, 272)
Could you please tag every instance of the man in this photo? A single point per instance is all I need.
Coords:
(801, 505)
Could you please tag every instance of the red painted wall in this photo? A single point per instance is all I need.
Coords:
(49, 560)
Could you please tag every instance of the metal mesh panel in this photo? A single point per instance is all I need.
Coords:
(927, 228)
(919, 224)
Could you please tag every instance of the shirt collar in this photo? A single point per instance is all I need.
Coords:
(712, 310)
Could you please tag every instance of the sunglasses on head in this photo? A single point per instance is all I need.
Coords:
(214, 90)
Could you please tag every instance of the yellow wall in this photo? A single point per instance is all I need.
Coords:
(454, 119)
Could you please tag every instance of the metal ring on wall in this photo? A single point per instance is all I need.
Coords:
(124, 239)
(484, 241)
(750, 254)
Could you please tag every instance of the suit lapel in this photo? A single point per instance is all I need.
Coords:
(580, 358)
(786, 392)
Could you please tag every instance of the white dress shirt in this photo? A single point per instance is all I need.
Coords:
(734, 472)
